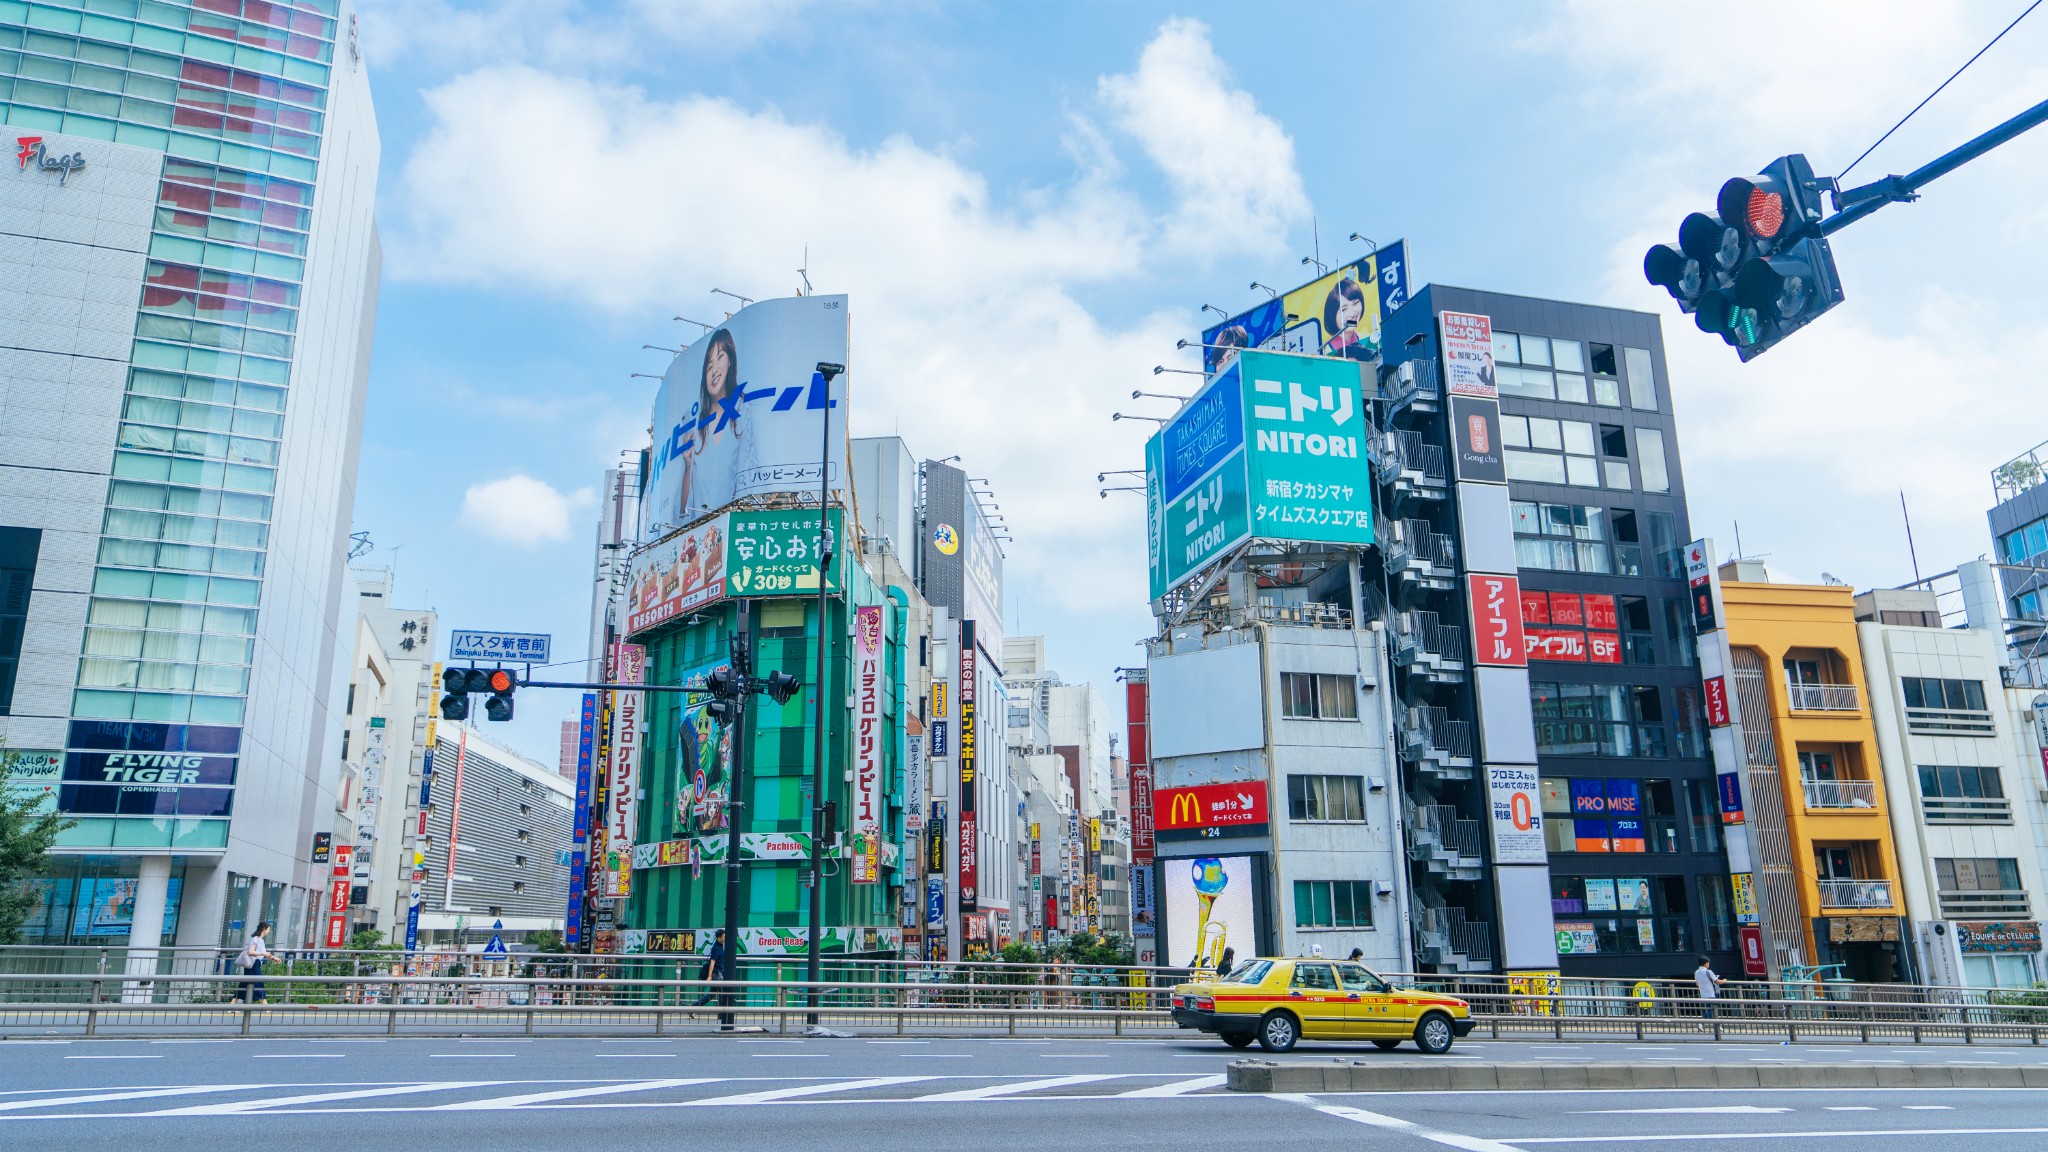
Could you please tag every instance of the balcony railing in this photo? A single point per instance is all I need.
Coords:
(1855, 893)
(1821, 697)
(1840, 793)
(1950, 722)
(1976, 903)
(1966, 809)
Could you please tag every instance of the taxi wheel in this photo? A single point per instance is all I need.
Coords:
(1238, 1039)
(1386, 1045)
(1434, 1034)
(1278, 1032)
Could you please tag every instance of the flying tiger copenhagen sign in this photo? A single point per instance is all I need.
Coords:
(1210, 811)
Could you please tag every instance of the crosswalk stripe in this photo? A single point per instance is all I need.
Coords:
(1177, 1088)
(496, 1102)
(993, 1090)
(773, 1094)
(321, 1097)
(53, 1101)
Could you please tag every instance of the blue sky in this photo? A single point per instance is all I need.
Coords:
(1029, 203)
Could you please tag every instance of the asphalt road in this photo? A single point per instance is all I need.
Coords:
(622, 1095)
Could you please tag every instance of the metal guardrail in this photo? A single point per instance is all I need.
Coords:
(1840, 793)
(1809, 697)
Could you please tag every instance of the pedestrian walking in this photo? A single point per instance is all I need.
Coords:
(716, 965)
(1226, 962)
(250, 960)
(1710, 986)
(1357, 956)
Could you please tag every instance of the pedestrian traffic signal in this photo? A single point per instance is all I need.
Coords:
(781, 686)
(502, 684)
(1759, 269)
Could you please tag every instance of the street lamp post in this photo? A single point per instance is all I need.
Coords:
(826, 374)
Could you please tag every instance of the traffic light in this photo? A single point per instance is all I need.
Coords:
(1758, 270)
(456, 685)
(724, 685)
(781, 686)
(502, 684)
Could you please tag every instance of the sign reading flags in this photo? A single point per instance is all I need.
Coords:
(1210, 811)
(869, 800)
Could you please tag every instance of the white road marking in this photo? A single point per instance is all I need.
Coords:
(1177, 1088)
(137, 1094)
(1704, 1109)
(191, 1041)
(1407, 1127)
(935, 1056)
(297, 1056)
(899, 1041)
(632, 1055)
(500, 1102)
(471, 1055)
(1843, 1134)
(1847, 1108)
(790, 1055)
(113, 1057)
(989, 1091)
(772, 1095)
(1928, 1108)
(1074, 1056)
(241, 1106)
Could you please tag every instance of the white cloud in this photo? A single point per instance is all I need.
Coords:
(1231, 165)
(521, 510)
(969, 332)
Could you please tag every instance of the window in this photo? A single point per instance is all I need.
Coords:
(1336, 799)
(18, 549)
(1650, 453)
(1979, 886)
(1637, 646)
(1688, 722)
(349, 709)
(1318, 696)
(1940, 707)
(1963, 794)
(1703, 814)
(1642, 382)
(1632, 911)
(1569, 538)
(1530, 441)
(2025, 545)
(1603, 360)
(1331, 904)
(1614, 446)
(345, 734)
(1716, 919)
(1597, 719)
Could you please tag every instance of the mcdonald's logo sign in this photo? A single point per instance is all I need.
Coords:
(1210, 811)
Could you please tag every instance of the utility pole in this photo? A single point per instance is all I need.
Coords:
(819, 781)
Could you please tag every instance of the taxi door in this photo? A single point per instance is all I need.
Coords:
(1369, 1004)
(1313, 993)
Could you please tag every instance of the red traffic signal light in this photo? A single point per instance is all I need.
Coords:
(501, 680)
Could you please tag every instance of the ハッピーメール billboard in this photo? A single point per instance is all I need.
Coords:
(738, 413)
(1211, 905)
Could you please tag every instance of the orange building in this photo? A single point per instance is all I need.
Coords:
(1825, 875)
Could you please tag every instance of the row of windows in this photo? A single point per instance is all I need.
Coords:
(151, 326)
(1603, 540)
(106, 46)
(187, 472)
(1571, 360)
(160, 139)
(226, 257)
(223, 230)
(1961, 781)
(188, 501)
(2025, 545)
(210, 362)
(175, 586)
(180, 557)
(1977, 874)
(148, 676)
(1333, 903)
(1539, 450)
(207, 445)
(159, 617)
(196, 417)
(1581, 815)
(160, 708)
(1613, 720)
(134, 525)
(1933, 692)
(250, 123)
(200, 187)
(163, 27)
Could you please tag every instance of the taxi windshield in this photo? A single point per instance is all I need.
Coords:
(1249, 972)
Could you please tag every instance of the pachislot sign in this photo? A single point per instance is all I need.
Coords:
(869, 799)
(1209, 811)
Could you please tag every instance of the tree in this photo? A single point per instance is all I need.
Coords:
(547, 940)
(29, 824)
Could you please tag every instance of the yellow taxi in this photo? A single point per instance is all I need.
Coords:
(1280, 1001)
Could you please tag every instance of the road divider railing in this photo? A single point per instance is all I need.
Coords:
(96, 1005)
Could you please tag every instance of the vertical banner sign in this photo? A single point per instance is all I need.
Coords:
(1138, 724)
(1496, 604)
(579, 871)
(1517, 814)
(622, 815)
(601, 788)
(338, 895)
(969, 900)
(1716, 692)
(1468, 355)
(913, 774)
(455, 817)
(869, 800)
(1699, 575)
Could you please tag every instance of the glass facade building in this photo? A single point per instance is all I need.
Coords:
(192, 265)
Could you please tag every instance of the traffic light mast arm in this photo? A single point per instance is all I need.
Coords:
(1857, 203)
(694, 689)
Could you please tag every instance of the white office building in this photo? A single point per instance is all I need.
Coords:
(188, 276)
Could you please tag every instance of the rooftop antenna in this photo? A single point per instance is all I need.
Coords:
(359, 545)
(1738, 539)
(805, 272)
(1905, 512)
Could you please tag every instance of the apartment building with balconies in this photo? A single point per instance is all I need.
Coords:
(1823, 874)
(1962, 772)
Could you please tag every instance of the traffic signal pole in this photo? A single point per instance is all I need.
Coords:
(1857, 203)
(735, 806)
